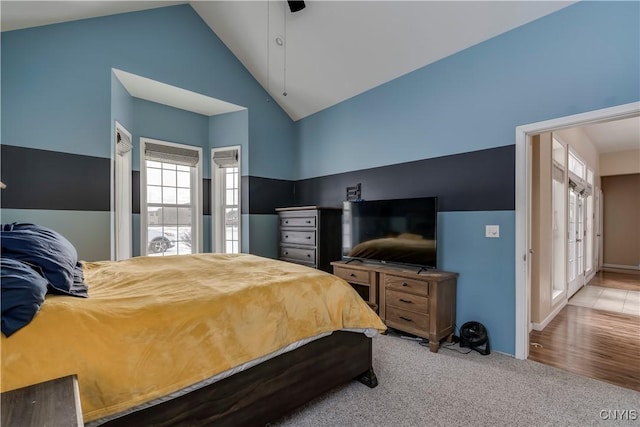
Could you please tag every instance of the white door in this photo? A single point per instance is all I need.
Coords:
(575, 247)
(599, 229)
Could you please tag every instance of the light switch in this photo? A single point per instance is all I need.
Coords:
(492, 231)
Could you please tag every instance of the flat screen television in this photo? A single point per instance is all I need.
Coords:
(396, 231)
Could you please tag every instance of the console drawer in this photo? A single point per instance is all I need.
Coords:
(406, 320)
(407, 301)
(352, 275)
(402, 284)
(298, 237)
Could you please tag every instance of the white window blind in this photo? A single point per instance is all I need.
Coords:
(171, 154)
(123, 144)
(226, 158)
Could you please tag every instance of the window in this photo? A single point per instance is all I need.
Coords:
(226, 197)
(171, 214)
(122, 198)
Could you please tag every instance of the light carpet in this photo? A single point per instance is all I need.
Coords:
(420, 388)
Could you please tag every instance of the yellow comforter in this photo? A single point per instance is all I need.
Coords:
(154, 325)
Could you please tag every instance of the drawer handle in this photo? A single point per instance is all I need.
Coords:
(308, 222)
(286, 253)
(407, 301)
(286, 237)
(405, 284)
(309, 237)
(352, 275)
(286, 222)
(406, 318)
(308, 255)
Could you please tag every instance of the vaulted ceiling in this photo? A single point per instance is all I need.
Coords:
(329, 51)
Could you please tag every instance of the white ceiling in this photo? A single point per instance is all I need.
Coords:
(620, 135)
(333, 50)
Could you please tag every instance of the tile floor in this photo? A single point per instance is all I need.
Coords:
(608, 299)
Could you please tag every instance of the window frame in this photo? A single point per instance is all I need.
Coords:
(217, 191)
(196, 196)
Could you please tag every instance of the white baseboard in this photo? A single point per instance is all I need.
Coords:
(540, 326)
(622, 267)
(625, 269)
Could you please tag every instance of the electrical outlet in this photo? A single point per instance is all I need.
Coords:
(492, 231)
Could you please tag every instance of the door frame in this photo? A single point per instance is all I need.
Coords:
(523, 205)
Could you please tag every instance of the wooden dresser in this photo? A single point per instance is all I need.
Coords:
(362, 278)
(51, 403)
(310, 235)
(422, 304)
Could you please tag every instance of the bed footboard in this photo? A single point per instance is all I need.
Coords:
(268, 391)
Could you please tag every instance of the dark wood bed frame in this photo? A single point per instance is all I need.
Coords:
(268, 391)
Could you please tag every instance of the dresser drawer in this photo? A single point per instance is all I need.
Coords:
(307, 256)
(297, 221)
(406, 320)
(351, 275)
(298, 237)
(407, 301)
(402, 284)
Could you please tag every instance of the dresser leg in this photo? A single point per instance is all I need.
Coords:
(368, 378)
(434, 345)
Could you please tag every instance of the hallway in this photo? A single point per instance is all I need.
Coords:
(595, 341)
(610, 295)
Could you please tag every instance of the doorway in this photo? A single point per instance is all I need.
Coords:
(523, 206)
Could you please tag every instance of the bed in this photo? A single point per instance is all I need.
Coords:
(195, 340)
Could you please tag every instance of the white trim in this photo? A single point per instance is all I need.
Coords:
(124, 159)
(523, 174)
(549, 318)
(196, 245)
(216, 201)
(559, 296)
(621, 266)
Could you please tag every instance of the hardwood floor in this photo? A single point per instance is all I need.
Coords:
(628, 282)
(594, 343)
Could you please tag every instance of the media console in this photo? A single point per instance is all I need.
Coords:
(422, 303)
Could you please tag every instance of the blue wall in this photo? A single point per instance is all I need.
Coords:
(157, 121)
(121, 105)
(230, 129)
(581, 58)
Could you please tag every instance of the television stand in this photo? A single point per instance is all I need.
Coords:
(422, 303)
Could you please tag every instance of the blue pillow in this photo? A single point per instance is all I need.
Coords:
(22, 292)
(39, 246)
